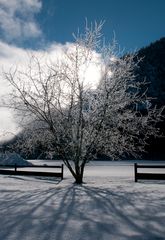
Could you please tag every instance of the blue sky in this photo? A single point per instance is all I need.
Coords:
(136, 22)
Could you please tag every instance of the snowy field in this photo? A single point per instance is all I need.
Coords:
(109, 206)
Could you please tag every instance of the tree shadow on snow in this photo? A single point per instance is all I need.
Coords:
(81, 213)
(53, 180)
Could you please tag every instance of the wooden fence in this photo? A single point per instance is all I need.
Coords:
(149, 175)
(15, 170)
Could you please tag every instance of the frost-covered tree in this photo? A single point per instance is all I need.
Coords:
(76, 116)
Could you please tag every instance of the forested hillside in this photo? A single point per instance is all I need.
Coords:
(152, 69)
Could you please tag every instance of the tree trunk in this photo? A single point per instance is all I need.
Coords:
(78, 178)
(77, 173)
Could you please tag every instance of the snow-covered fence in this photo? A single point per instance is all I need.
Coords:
(8, 170)
(149, 175)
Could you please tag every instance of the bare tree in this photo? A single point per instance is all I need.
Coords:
(76, 118)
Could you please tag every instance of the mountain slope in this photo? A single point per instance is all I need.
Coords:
(152, 68)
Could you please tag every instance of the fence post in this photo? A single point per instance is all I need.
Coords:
(135, 171)
(62, 171)
(15, 167)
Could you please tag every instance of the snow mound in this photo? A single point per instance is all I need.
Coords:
(12, 159)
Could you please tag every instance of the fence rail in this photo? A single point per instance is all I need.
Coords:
(6, 170)
(148, 176)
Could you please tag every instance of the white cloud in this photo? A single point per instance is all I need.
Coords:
(17, 19)
(8, 127)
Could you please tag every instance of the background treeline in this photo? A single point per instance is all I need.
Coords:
(152, 68)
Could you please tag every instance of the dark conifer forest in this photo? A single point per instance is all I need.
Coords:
(152, 69)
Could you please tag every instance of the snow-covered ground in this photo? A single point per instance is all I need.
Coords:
(110, 205)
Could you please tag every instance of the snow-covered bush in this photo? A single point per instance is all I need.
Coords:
(12, 159)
